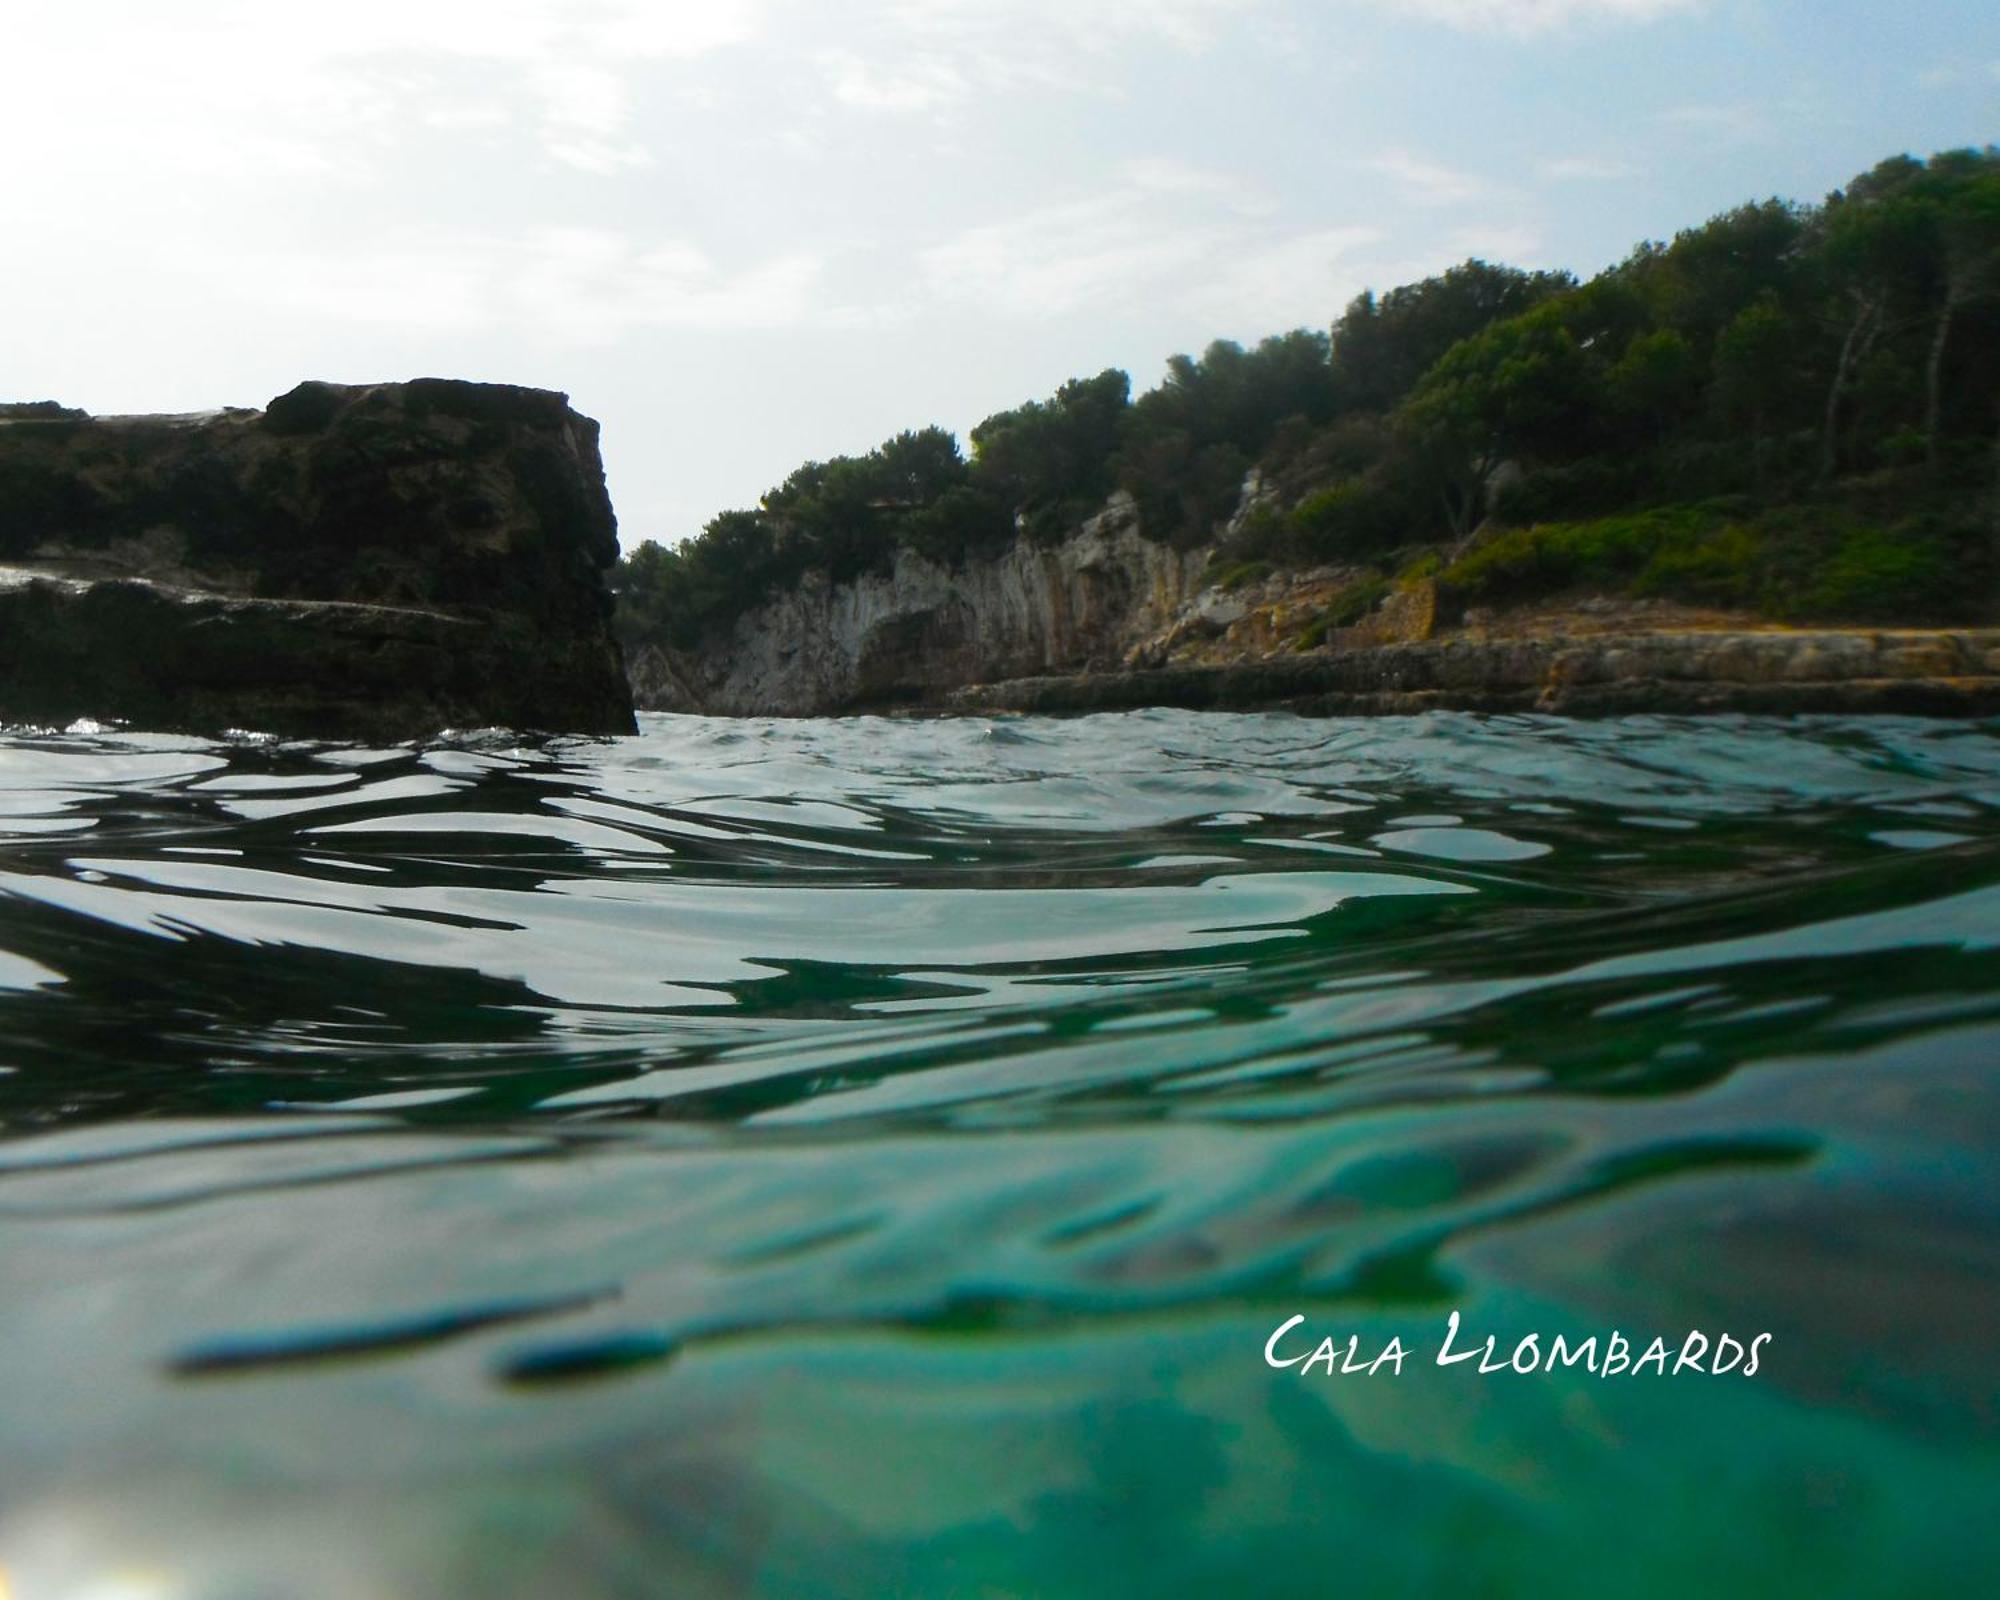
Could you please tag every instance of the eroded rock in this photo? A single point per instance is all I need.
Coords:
(1915, 672)
(374, 561)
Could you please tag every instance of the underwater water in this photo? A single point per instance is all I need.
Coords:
(871, 1157)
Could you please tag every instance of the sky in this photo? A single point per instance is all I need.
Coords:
(748, 233)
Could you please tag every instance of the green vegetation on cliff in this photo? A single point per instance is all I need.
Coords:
(1790, 409)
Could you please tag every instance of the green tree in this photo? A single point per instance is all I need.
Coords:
(1044, 455)
(1959, 196)
(1521, 388)
(916, 469)
(1873, 250)
(1655, 381)
(1753, 367)
(1381, 347)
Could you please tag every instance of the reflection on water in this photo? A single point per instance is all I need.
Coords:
(868, 1157)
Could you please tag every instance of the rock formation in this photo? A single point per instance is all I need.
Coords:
(908, 635)
(1927, 672)
(381, 561)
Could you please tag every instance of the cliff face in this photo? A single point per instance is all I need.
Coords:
(1108, 620)
(1104, 599)
(385, 560)
(910, 634)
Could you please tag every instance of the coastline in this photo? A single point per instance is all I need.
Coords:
(1854, 671)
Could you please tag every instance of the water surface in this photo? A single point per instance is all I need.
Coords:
(868, 1157)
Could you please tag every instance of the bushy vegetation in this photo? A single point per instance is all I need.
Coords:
(1811, 561)
(1825, 370)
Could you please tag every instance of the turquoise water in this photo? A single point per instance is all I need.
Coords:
(870, 1157)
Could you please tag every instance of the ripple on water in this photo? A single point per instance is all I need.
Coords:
(653, 1157)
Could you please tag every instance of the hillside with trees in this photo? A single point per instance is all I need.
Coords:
(1790, 410)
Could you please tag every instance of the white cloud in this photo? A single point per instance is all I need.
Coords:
(465, 116)
(1063, 258)
(1959, 72)
(922, 83)
(409, 285)
(244, 88)
(922, 55)
(1189, 25)
(593, 286)
(1584, 169)
(571, 287)
(1284, 282)
(1723, 122)
(1516, 243)
(1429, 182)
(1165, 235)
(1539, 16)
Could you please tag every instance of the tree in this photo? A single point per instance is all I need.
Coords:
(1877, 250)
(1043, 454)
(1753, 366)
(1960, 200)
(917, 468)
(1521, 388)
(1698, 283)
(1655, 381)
(1381, 347)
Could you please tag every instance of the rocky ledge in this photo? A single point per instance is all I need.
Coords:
(379, 561)
(1917, 672)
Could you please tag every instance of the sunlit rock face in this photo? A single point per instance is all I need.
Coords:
(383, 560)
(922, 628)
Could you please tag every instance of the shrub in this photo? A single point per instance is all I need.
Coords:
(1725, 567)
(1236, 575)
(1356, 601)
(1878, 573)
(1357, 518)
(1612, 551)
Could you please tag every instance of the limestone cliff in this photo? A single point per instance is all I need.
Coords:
(1104, 599)
(382, 560)
(909, 634)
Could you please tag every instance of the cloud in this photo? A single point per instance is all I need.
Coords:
(1538, 16)
(1960, 72)
(1584, 169)
(1428, 182)
(928, 55)
(244, 88)
(572, 287)
(1163, 235)
(1187, 25)
(921, 83)
(1180, 177)
(1063, 258)
(1721, 122)
(1514, 242)
(1285, 281)
(593, 286)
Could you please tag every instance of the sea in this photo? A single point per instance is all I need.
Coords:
(1001, 1156)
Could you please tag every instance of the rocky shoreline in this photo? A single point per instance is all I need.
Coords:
(1107, 619)
(156, 657)
(1922, 672)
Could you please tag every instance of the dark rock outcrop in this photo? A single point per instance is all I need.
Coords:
(380, 561)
